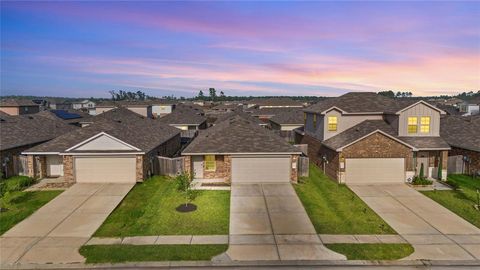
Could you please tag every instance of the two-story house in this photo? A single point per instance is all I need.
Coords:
(368, 138)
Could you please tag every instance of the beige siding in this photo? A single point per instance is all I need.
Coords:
(10, 110)
(140, 110)
(419, 110)
(345, 122)
(103, 143)
(99, 110)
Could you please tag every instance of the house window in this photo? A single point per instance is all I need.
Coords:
(314, 121)
(332, 123)
(210, 164)
(412, 124)
(425, 124)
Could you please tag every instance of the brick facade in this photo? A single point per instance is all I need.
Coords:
(474, 165)
(221, 169)
(68, 173)
(316, 152)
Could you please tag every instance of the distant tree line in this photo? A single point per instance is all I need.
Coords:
(212, 96)
(128, 95)
(398, 94)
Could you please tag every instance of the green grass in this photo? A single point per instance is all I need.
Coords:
(131, 253)
(149, 209)
(372, 251)
(23, 205)
(459, 201)
(334, 209)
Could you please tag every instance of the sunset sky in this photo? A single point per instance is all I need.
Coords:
(242, 48)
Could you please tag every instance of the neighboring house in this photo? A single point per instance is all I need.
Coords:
(72, 117)
(285, 122)
(264, 114)
(161, 108)
(105, 106)
(18, 106)
(463, 135)
(467, 108)
(143, 108)
(185, 118)
(454, 102)
(18, 133)
(225, 116)
(223, 108)
(261, 103)
(239, 151)
(368, 138)
(449, 109)
(118, 148)
(84, 104)
(59, 104)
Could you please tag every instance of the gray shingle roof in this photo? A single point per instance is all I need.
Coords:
(366, 127)
(275, 102)
(461, 132)
(50, 115)
(363, 102)
(292, 117)
(16, 131)
(238, 135)
(13, 102)
(183, 115)
(143, 133)
(247, 116)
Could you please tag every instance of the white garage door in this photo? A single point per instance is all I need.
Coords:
(374, 170)
(105, 169)
(260, 169)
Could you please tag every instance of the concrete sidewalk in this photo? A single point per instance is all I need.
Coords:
(55, 232)
(268, 222)
(434, 231)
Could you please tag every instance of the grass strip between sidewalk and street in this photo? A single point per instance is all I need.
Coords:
(143, 253)
(372, 251)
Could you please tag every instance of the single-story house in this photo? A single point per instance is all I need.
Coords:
(463, 135)
(113, 149)
(185, 118)
(18, 133)
(239, 151)
(285, 122)
(18, 106)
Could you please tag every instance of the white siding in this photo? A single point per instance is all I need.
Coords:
(104, 143)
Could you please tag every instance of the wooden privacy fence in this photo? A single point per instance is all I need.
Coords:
(168, 166)
(303, 166)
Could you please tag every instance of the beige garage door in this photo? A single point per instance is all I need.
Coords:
(374, 170)
(105, 169)
(260, 169)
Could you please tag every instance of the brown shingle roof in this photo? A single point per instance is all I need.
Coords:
(16, 131)
(461, 132)
(184, 115)
(276, 102)
(143, 133)
(247, 116)
(238, 135)
(292, 117)
(13, 102)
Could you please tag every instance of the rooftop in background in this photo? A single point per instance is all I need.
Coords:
(13, 102)
(275, 102)
(289, 117)
(461, 132)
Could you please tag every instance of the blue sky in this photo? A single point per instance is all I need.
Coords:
(242, 48)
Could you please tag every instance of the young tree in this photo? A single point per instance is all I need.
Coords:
(201, 96)
(213, 94)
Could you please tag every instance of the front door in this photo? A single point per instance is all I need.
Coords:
(422, 158)
(197, 166)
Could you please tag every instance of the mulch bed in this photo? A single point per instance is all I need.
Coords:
(185, 208)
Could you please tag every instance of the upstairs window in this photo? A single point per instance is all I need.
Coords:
(332, 123)
(210, 164)
(425, 124)
(412, 125)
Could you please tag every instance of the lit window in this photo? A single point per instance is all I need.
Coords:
(332, 123)
(210, 164)
(425, 124)
(412, 124)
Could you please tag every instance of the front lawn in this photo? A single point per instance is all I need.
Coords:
(131, 253)
(372, 251)
(22, 205)
(149, 209)
(334, 209)
(460, 201)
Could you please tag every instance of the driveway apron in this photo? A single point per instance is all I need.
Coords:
(268, 222)
(435, 232)
(55, 232)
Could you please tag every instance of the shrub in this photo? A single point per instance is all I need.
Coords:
(15, 183)
(421, 174)
(453, 184)
(419, 181)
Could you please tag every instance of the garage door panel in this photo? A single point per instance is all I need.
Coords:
(105, 169)
(374, 170)
(260, 169)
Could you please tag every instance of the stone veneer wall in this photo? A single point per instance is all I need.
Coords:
(68, 173)
(222, 169)
(294, 170)
(139, 168)
(187, 165)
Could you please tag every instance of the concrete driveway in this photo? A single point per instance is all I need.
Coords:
(56, 231)
(268, 222)
(435, 232)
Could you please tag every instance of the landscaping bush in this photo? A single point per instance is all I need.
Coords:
(420, 181)
(453, 184)
(15, 183)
